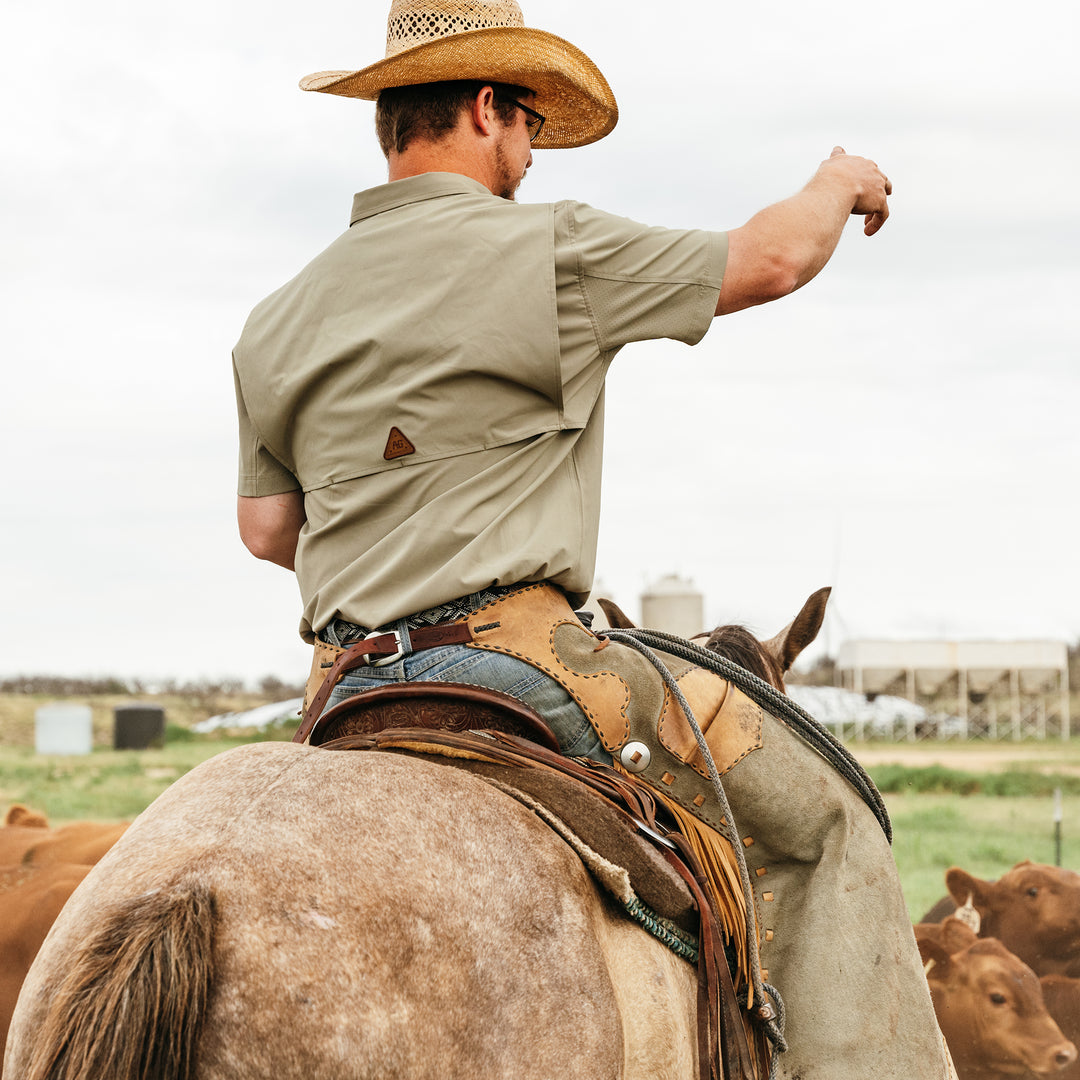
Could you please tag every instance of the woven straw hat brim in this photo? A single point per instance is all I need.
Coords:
(570, 91)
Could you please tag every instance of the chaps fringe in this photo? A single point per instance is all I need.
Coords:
(132, 1004)
(716, 858)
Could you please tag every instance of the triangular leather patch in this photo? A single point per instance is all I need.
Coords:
(397, 445)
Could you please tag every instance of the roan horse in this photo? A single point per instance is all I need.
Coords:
(287, 911)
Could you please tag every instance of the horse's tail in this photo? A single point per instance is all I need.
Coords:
(132, 1003)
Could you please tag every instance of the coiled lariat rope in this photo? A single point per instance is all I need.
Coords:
(804, 725)
(779, 704)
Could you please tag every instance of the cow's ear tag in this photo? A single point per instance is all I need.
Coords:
(969, 915)
(397, 445)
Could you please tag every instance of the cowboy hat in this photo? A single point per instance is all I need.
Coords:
(438, 40)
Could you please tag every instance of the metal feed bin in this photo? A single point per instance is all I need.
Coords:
(63, 729)
(980, 689)
(138, 727)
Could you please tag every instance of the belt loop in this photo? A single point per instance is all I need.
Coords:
(404, 638)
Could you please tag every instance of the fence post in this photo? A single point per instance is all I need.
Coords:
(1057, 826)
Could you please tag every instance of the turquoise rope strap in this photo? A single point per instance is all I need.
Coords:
(679, 941)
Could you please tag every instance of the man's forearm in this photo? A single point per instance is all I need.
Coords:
(787, 244)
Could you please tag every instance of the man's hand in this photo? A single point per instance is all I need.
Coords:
(871, 185)
(786, 245)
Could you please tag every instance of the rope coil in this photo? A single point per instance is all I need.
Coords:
(778, 704)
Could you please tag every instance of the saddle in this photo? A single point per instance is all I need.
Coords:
(504, 741)
(432, 706)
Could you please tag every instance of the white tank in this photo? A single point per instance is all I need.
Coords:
(63, 729)
(673, 604)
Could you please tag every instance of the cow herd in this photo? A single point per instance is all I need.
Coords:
(39, 869)
(1002, 958)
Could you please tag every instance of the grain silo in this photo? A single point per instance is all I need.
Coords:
(674, 605)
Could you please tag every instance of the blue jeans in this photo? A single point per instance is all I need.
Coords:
(478, 667)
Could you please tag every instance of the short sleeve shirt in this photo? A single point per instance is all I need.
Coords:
(433, 383)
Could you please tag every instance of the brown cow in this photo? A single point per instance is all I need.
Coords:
(1033, 910)
(30, 899)
(39, 869)
(989, 1006)
(22, 829)
(25, 817)
(26, 837)
(1062, 996)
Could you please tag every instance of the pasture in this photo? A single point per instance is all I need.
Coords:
(935, 826)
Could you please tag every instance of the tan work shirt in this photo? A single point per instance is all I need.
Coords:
(433, 382)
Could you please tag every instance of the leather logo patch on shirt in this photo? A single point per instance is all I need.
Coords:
(397, 445)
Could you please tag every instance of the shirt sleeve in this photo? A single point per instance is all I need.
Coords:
(260, 472)
(642, 282)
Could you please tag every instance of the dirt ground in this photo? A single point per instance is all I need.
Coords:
(1048, 757)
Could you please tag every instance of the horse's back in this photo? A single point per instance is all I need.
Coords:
(376, 915)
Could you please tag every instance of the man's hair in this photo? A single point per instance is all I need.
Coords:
(431, 111)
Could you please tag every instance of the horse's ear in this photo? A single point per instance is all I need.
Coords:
(614, 614)
(800, 632)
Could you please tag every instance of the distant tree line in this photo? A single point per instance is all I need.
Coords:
(269, 686)
(64, 685)
(823, 673)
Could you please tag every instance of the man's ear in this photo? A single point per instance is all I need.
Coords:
(483, 111)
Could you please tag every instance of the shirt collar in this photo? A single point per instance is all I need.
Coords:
(432, 185)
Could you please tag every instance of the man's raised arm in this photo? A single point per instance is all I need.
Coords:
(784, 246)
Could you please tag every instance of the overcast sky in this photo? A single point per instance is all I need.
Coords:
(904, 429)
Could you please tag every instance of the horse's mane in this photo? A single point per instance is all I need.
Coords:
(737, 644)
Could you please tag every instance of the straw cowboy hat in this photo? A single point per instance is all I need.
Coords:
(435, 40)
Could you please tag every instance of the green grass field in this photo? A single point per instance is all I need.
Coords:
(984, 834)
(934, 826)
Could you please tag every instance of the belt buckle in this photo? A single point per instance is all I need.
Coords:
(393, 657)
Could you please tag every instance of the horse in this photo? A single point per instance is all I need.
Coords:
(288, 910)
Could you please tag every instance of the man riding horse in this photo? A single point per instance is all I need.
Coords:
(421, 427)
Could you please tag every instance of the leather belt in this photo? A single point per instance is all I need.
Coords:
(382, 646)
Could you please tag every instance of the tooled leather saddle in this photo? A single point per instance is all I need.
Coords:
(434, 706)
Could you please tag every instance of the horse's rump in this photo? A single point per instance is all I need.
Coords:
(606, 816)
(383, 916)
